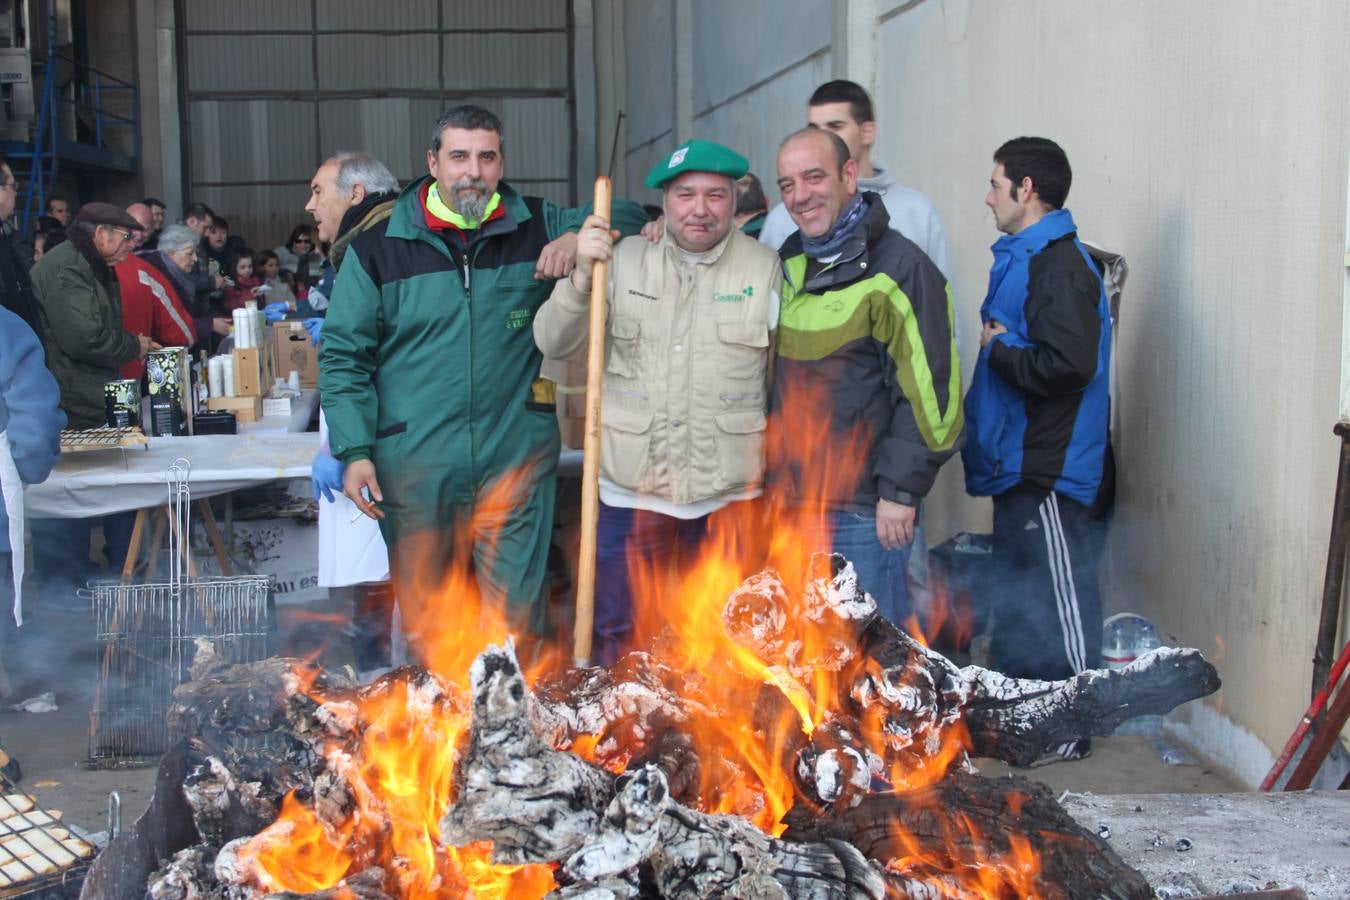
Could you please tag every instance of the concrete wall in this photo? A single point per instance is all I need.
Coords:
(1210, 143)
(738, 73)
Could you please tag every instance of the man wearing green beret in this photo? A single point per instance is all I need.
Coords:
(687, 337)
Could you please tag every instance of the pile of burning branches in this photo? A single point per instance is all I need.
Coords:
(817, 751)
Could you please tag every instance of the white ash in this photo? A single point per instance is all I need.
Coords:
(840, 593)
(186, 876)
(338, 718)
(756, 613)
(231, 869)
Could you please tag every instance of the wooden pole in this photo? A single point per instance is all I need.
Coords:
(590, 465)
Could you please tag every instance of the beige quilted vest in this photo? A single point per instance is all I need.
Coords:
(687, 356)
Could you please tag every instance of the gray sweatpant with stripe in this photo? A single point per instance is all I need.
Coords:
(1047, 602)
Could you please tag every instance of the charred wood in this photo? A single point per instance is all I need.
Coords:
(964, 823)
(1019, 720)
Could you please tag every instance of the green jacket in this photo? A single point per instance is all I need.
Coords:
(428, 356)
(82, 327)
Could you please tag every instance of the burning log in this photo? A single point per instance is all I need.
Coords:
(1010, 829)
(911, 696)
(537, 804)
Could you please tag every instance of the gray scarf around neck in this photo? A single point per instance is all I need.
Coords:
(832, 242)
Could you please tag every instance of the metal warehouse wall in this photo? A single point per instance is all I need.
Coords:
(270, 89)
(1221, 176)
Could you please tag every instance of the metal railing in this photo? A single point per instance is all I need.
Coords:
(89, 90)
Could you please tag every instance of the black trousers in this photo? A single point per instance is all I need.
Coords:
(1047, 601)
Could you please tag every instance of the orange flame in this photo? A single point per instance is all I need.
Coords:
(748, 714)
(399, 776)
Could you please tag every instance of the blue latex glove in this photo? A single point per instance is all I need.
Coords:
(315, 327)
(275, 312)
(326, 476)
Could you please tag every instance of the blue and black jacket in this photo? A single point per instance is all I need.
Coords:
(1037, 412)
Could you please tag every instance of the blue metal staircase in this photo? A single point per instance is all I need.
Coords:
(36, 162)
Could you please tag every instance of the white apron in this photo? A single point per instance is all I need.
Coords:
(349, 552)
(12, 488)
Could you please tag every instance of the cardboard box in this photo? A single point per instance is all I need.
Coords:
(245, 409)
(285, 550)
(276, 406)
(293, 352)
(252, 372)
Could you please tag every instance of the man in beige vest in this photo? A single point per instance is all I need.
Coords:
(687, 341)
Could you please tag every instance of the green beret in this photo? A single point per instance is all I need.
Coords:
(698, 156)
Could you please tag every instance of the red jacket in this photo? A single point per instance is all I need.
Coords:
(151, 307)
(239, 292)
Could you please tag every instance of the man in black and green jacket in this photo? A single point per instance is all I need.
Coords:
(866, 354)
(426, 373)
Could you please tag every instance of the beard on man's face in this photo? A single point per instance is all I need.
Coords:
(471, 197)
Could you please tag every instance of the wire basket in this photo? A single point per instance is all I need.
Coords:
(148, 635)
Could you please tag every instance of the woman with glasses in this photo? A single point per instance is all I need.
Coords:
(300, 254)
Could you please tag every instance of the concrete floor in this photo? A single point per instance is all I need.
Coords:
(58, 653)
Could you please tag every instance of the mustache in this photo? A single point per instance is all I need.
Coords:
(475, 184)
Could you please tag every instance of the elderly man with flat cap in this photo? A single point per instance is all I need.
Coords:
(81, 307)
(689, 327)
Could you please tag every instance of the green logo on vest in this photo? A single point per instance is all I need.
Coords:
(734, 298)
(517, 319)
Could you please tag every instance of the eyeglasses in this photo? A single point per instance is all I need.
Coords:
(120, 232)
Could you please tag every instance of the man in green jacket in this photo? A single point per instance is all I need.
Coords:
(428, 368)
(81, 311)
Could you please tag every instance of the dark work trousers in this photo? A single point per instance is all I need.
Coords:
(372, 624)
(648, 539)
(1047, 602)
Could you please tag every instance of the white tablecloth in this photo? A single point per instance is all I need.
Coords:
(100, 483)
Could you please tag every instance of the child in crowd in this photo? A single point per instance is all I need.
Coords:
(268, 267)
(242, 285)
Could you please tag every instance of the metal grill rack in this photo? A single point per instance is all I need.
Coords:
(39, 856)
(148, 635)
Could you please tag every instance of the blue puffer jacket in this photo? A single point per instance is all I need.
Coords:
(1038, 409)
(30, 410)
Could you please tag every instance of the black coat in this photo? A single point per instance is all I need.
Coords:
(16, 290)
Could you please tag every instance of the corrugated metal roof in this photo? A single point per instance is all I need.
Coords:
(537, 61)
(650, 68)
(537, 137)
(245, 15)
(252, 140)
(509, 14)
(384, 128)
(338, 15)
(360, 62)
(249, 63)
(262, 216)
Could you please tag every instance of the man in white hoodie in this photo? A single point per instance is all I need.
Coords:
(844, 108)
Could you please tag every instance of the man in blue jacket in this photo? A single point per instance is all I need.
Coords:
(1037, 414)
(30, 442)
(30, 435)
